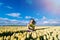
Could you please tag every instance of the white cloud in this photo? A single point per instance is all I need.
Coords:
(13, 20)
(3, 18)
(36, 19)
(44, 18)
(45, 22)
(14, 15)
(9, 7)
(51, 22)
(7, 21)
(27, 17)
(24, 21)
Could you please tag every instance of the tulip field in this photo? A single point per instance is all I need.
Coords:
(22, 33)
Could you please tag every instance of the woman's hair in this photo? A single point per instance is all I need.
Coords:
(33, 22)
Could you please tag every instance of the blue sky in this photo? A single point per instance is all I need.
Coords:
(19, 12)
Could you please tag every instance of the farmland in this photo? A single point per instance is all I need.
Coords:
(21, 33)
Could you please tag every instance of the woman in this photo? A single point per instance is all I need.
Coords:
(31, 25)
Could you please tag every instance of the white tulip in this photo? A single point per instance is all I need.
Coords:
(34, 35)
(1, 38)
(59, 36)
(28, 35)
